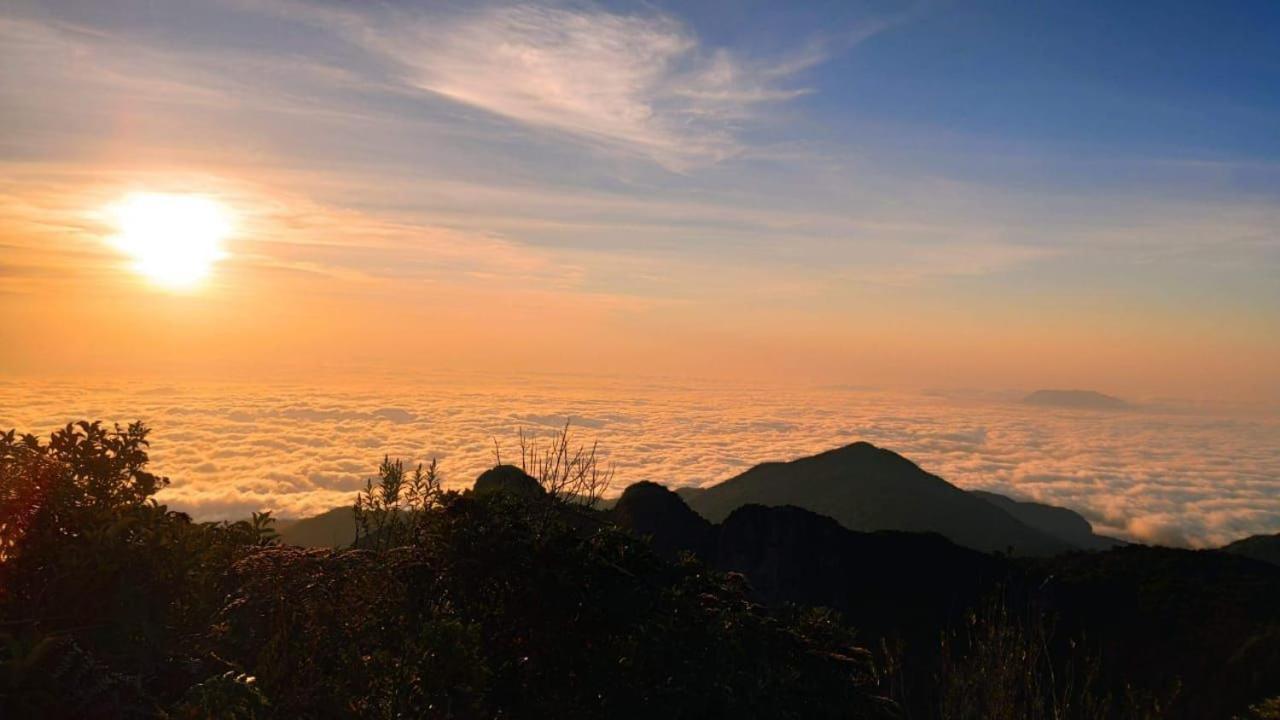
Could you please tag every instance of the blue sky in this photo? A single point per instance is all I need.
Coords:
(1049, 193)
(1186, 80)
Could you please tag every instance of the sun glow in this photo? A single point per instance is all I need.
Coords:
(174, 239)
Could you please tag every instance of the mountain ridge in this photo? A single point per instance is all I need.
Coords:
(867, 488)
(1264, 548)
(906, 589)
(1062, 529)
(1063, 523)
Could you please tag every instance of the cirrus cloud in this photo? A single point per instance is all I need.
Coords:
(644, 84)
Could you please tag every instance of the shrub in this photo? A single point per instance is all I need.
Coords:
(497, 611)
(95, 575)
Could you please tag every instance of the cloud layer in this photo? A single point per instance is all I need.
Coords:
(1160, 475)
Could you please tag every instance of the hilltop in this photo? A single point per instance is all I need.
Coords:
(1265, 548)
(867, 488)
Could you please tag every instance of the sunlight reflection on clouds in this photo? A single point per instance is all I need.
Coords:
(1176, 477)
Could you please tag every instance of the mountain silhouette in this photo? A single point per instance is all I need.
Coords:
(1080, 399)
(867, 488)
(651, 510)
(1259, 547)
(1065, 524)
(1200, 627)
(508, 478)
(861, 486)
(332, 528)
(891, 581)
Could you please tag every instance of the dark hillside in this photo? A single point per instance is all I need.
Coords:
(1196, 632)
(332, 529)
(1265, 548)
(1203, 621)
(867, 488)
(1062, 523)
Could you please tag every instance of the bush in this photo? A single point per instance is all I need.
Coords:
(452, 605)
(96, 578)
(497, 611)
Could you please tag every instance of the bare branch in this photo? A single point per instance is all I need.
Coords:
(567, 473)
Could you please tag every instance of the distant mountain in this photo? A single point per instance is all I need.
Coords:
(1259, 547)
(330, 529)
(867, 488)
(1062, 523)
(1080, 399)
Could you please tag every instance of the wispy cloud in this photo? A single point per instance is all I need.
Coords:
(644, 84)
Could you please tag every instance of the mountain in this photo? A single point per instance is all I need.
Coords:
(1196, 631)
(867, 488)
(892, 582)
(330, 529)
(1079, 399)
(909, 499)
(1062, 523)
(509, 479)
(1259, 547)
(651, 510)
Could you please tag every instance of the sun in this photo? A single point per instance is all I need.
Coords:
(173, 239)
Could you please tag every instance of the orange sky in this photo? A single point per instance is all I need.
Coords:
(288, 299)
(383, 223)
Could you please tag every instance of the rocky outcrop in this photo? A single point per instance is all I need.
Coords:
(508, 479)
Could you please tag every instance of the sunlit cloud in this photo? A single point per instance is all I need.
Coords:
(1183, 476)
(640, 83)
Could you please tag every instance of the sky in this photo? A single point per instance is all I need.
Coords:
(997, 195)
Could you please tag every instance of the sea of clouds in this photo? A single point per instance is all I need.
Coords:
(1172, 475)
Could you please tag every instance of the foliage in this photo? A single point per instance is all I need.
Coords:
(524, 601)
(1265, 710)
(62, 489)
(496, 611)
(451, 605)
(388, 515)
(1198, 631)
(231, 695)
(1003, 661)
(98, 580)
